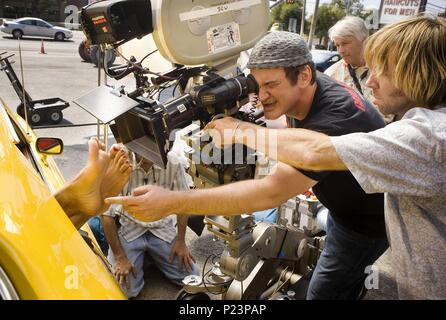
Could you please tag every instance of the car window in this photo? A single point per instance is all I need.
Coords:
(28, 22)
(42, 24)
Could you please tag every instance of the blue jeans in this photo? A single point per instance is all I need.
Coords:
(159, 250)
(322, 217)
(98, 232)
(339, 273)
(269, 215)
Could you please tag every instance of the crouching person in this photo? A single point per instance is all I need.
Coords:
(130, 239)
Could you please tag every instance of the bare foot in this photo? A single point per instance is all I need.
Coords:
(82, 196)
(118, 172)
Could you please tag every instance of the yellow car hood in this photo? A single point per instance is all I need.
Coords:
(41, 251)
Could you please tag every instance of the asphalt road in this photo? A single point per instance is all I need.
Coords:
(61, 73)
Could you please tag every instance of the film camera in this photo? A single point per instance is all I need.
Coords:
(204, 39)
(207, 36)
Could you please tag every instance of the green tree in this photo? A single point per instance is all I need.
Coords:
(355, 7)
(283, 12)
(328, 15)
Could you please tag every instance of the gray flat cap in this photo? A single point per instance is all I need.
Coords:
(279, 49)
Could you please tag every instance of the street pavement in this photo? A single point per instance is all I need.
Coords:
(61, 73)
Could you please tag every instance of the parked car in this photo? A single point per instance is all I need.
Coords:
(42, 255)
(323, 59)
(36, 28)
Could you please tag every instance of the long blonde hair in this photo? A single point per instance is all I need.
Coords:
(412, 53)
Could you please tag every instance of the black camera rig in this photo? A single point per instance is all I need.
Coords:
(149, 128)
(261, 258)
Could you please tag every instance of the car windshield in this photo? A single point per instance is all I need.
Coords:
(321, 56)
(26, 21)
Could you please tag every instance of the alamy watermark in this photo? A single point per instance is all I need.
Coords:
(372, 279)
(72, 277)
(72, 18)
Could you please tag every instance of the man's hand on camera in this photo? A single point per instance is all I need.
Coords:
(223, 131)
(147, 203)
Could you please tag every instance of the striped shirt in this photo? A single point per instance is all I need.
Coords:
(174, 177)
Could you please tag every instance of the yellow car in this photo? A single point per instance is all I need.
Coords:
(42, 255)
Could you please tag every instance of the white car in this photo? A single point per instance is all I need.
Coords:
(36, 28)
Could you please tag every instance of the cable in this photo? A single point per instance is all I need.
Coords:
(105, 65)
(145, 70)
(163, 88)
(204, 274)
(176, 85)
(148, 55)
(286, 280)
(254, 99)
(204, 269)
(158, 90)
(175, 88)
(152, 92)
(278, 281)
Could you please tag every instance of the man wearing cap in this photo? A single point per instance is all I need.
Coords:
(289, 85)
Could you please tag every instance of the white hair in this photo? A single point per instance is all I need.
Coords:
(349, 26)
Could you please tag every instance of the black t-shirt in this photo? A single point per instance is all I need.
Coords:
(338, 110)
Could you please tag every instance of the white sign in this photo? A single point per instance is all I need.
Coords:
(396, 10)
(223, 37)
(207, 12)
(292, 25)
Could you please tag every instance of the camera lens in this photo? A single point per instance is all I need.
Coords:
(228, 90)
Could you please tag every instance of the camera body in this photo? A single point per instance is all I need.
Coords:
(149, 129)
(116, 21)
(209, 35)
(210, 32)
(206, 33)
(186, 32)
